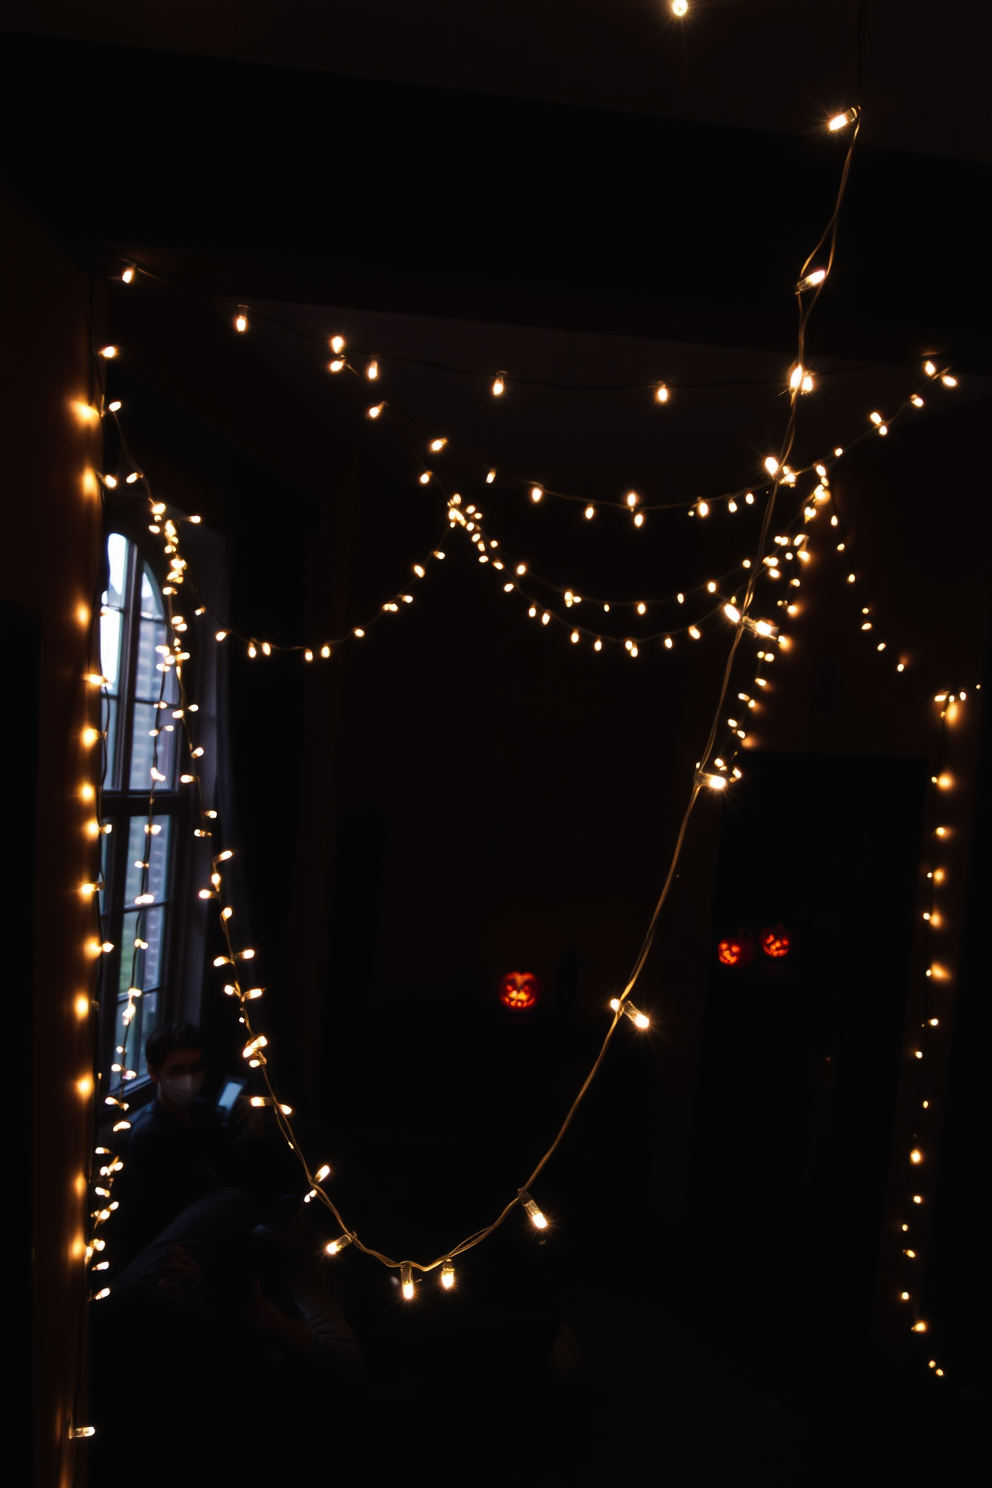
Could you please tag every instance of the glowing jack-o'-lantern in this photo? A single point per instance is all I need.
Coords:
(736, 950)
(776, 942)
(519, 991)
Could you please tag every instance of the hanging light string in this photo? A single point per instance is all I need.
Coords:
(254, 1049)
(470, 518)
(938, 978)
(242, 316)
(110, 1164)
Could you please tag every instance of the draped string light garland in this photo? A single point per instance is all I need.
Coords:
(935, 995)
(711, 771)
(517, 577)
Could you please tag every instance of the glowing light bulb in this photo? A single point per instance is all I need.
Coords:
(447, 1276)
(337, 345)
(695, 632)
(335, 1247)
(241, 319)
(590, 512)
(661, 393)
(537, 1219)
(638, 519)
(639, 1019)
(372, 370)
(438, 444)
(498, 386)
(916, 1156)
(424, 477)
(771, 464)
(322, 1172)
(406, 1280)
(732, 612)
(811, 280)
(930, 369)
(841, 121)
(76, 1432)
(919, 1328)
(949, 381)
(535, 494)
(337, 365)
(108, 352)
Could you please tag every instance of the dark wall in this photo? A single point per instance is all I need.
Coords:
(51, 525)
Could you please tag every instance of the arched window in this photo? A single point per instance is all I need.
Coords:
(141, 808)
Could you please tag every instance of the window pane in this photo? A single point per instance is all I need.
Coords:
(147, 680)
(154, 928)
(111, 723)
(117, 565)
(144, 1019)
(151, 599)
(151, 848)
(142, 968)
(147, 717)
(110, 646)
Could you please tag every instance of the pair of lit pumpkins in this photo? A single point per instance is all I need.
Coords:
(739, 949)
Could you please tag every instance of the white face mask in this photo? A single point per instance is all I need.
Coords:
(182, 1090)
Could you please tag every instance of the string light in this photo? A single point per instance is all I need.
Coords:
(533, 1213)
(639, 1019)
(732, 610)
(241, 319)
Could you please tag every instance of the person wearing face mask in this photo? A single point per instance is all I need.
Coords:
(178, 1150)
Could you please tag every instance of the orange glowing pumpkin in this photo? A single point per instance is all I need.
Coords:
(776, 942)
(519, 991)
(736, 950)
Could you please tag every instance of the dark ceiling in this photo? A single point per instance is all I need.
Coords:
(592, 167)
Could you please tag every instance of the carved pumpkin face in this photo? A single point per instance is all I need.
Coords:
(736, 950)
(519, 991)
(776, 942)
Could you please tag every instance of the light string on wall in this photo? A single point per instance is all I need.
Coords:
(470, 519)
(368, 370)
(711, 771)
(934, 992)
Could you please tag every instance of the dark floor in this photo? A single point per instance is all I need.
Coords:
(623, 1357)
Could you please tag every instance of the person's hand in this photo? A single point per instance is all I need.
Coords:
(181, 1274)
(263, 1316)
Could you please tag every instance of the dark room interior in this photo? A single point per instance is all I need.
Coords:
(463, 347)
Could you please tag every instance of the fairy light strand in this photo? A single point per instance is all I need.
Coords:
(254, 1049)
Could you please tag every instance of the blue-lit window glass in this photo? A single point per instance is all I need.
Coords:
(139, 799)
